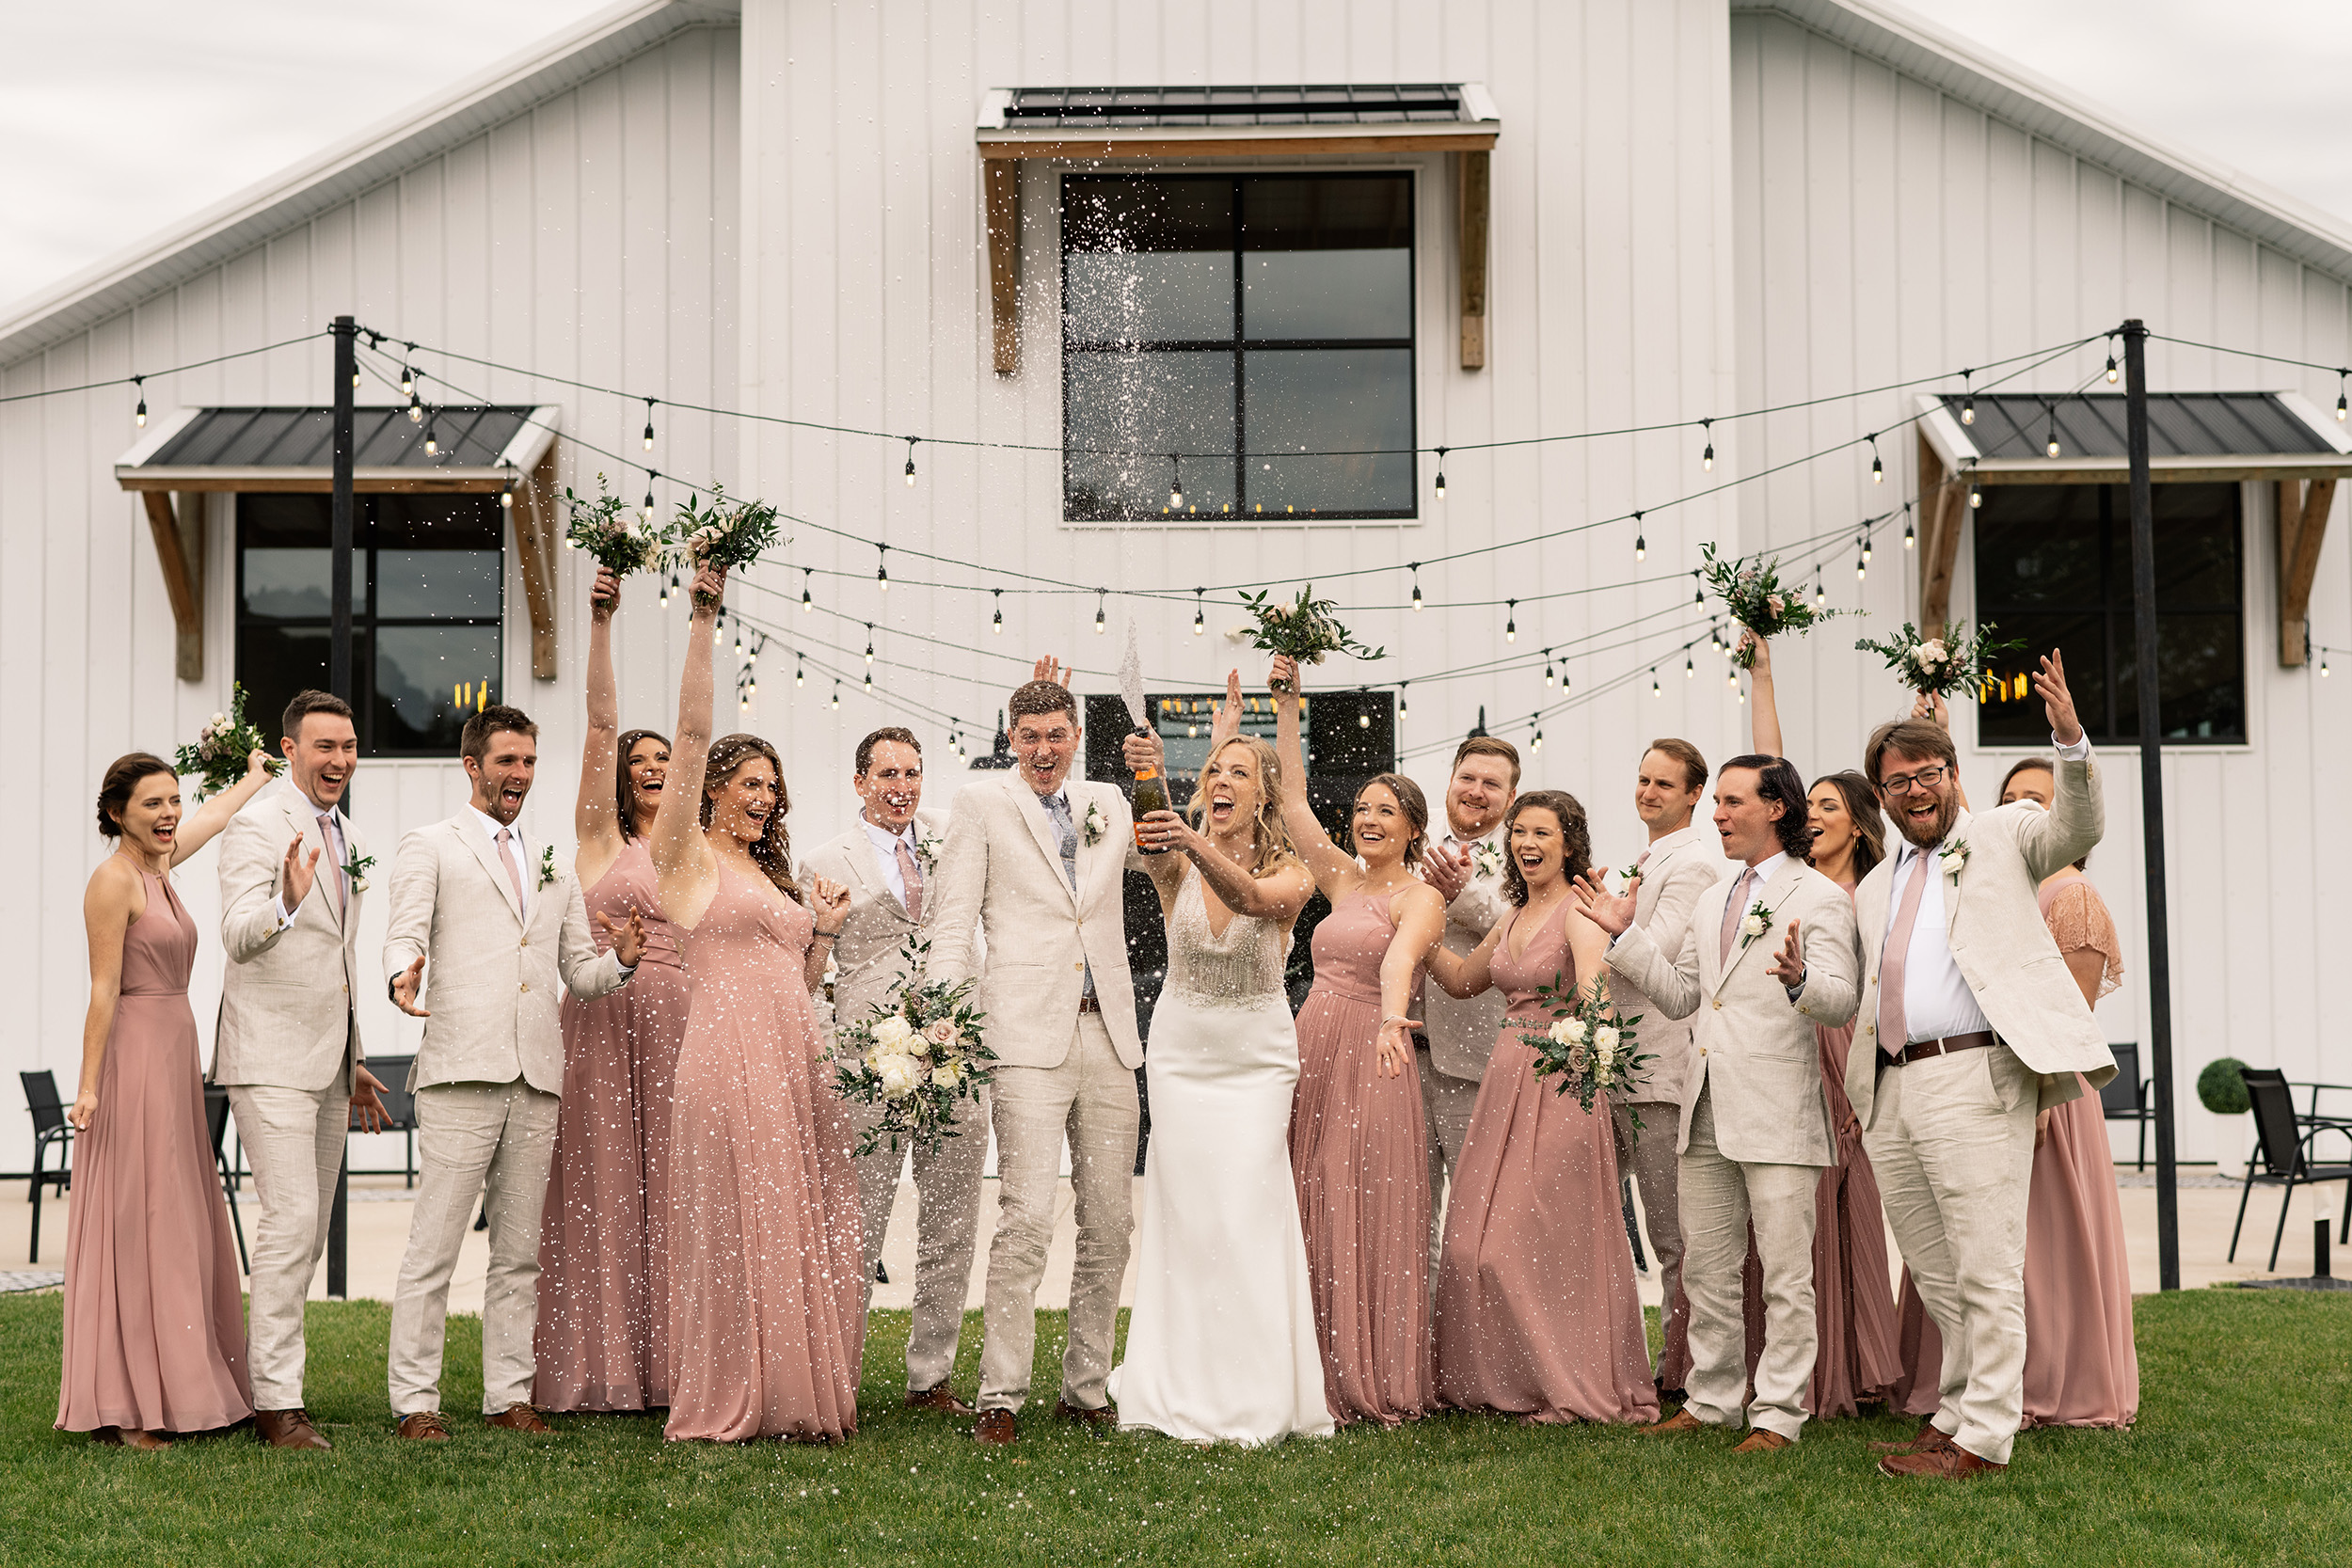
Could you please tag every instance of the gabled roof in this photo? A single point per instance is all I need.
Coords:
(2007, 91)
(317, 184)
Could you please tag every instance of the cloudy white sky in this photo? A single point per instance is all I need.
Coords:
(121, 117)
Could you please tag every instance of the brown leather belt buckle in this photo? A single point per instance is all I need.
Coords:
(1089, 1005)
(1920, 1051)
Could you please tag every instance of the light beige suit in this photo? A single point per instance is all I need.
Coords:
(1461, 1034)
(286, 1048)
(1679, 868)
(1951, 1138)
(869, 967)
(487, 1077)
(1755, 1129)
(1061, 1071)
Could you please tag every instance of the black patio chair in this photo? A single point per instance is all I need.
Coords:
(49, 1127)
(217, 1125)
(2125, 1096)
(2285, 1147)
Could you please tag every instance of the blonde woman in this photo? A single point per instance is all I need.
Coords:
(1221, 1345)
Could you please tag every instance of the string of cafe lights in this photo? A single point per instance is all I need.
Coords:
(139, 379)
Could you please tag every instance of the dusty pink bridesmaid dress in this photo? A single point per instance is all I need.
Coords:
(603, 1340)
(767, 1242)
(1538, 1313)
(154, 1323)
(1358, 1156)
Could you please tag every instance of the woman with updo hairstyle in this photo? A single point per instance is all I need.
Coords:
(1539, 1312)
(154, 1320)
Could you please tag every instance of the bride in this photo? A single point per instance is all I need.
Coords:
(1221, 1341)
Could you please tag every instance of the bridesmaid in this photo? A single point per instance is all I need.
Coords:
(2081, 1367)
(154, 1325)
(1858, 1360)
(1358, 1140)
(1538, 1313)
(767, 1243)
(603, 1340)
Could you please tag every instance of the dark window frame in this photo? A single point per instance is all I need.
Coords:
(1242, 346)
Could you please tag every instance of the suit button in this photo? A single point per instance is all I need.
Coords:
(1078, 966)
(1719, 1003)
(1701, 1051)
(526, 941)
(1870, 1028)
(526, 985)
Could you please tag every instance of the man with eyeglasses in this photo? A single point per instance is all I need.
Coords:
(1970, 1025)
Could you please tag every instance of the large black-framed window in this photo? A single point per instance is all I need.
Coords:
(1220, 315)
(428, 578)
(2054, 566)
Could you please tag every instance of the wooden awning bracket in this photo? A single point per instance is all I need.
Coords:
(2302, 509)
(1473, 177)
(180, 551)
(535, 546)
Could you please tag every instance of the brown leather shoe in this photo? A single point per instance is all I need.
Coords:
(288, 1429)
(1674, 1425)
(996, 1429)
(519, 1417)
(1101, 1416)
(1761, 1441)
(424, 1426)
(1929, 1436)
(939, 1399)
(130, 1437)
(1948, 1463)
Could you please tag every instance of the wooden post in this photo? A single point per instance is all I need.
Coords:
(1943, 508)
(2302, 529)
(1475, 174)
(179, 550)
(534, 548)
(1003, 259)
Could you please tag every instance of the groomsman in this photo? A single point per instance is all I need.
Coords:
(1679, 866)
(1035, 862)
(1754, 1150)
(293, 871)
(488, 929)
(1465, 868)
(884, 861)
(1956, 961)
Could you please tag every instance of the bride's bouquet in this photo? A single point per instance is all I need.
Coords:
(1942, 665)
(727, 534)
(1750, 588)
(1589, 1046)
(918, 1056)
(223, 748)
(606, 528)
(1307, 630)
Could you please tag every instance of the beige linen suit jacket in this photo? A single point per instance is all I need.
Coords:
(1681, 867)
(286, 1018)
(865, 958)
(1001, 872)
(1462, 1031)
(492, 979)
(2004, 951)
(1755, 1045)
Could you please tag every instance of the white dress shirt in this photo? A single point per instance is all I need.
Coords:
(885, 845)
(491, 827)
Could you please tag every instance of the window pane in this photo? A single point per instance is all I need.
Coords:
(438, 584)
(291, 585)
(2197, 545)
(1148, 296)
(2038, 545)
(1123, 412)
(2010, 719)
(1177, 213)
(275, 663)
(1328, 293)
(423, 675)
(2204, 660)
(1330, 400)
(1331, 211)
(433, 522)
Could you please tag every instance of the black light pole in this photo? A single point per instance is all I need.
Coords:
(2145, 683)
(339, 531)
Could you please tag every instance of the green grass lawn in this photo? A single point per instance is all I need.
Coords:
(2243, 1455)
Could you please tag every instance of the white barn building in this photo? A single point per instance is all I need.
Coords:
(1523, 222)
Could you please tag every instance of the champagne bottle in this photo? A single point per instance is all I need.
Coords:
(1151, 795)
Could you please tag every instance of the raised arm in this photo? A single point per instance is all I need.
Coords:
(1277, 895)
(251, 863)
(1335, 871)
(596, 815)
(1763, 704)
(1465, 975)
(682, 860)
(215, 813)
(105, 916)
(2076, 819)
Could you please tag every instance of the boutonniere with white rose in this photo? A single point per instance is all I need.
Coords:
(1757, 920)
(928, 848)
(355, 871)
(1486, 857)
(1633, 870)
(1954, 856)
(546, 866)
(1094, 825)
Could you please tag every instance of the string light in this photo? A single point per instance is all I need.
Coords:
(1706, 458)
(1698, 587)
(800, 671)
(507, 494)
(1655, 690)
(1861, 568)
(1878, 470)
(1199, 612)
(2113, 374)
(911, 440)
(1909, 538)
(1820, 586)
(719, 629)
(1099, 626)
(1640, 539)
(1537, 742)
(869, 642)
(1550, 679)
(1364, 718)
(138, 416)
(1865, 545)
(869, 683)
(1511, 622)
(667, 588)
(836, 692)
(2052, 448)
(1440, 487)
(1690, 668)
(2343, 407)
(739, 639)
(1415, 568)
(808, 601)
(881, 567)
(1968, 401)
(1975, 498)
(432, 440)
(1175, 483)
(416, 408)
(407, 378)
(996, 628)
(650, 424)
(650, 477)
(1402, 709)
(759, 645)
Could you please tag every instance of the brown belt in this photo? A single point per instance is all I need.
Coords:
(1089, 1005)
(1920, 1051)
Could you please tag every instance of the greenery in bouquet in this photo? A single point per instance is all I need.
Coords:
(918, 1056)
(1590, 1048)
(729, 535)
(219, 758)
(610, 530)
(1306, 629)
(1943, 665)
(1750, 588)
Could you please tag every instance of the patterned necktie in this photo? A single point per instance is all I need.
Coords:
(912, 875)
(1734, 906)
(513, 867)
(332, 837)
(1058, 807)
(1896, 957)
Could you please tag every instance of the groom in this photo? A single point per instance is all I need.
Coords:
(1037, 860)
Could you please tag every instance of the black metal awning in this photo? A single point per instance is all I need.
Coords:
(476, 447)
(1324, 103)
(2007, 437)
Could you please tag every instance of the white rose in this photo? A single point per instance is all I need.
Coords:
(946, 1077)
(899, 1075)
(1929, 652)
(892, 1035)
(220, 721)
(1754, 926)
(1605, 1039)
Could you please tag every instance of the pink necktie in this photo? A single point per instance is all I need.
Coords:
(334, 852)
(1894, 1033)
(912, 874)
(1734, 906)
(514, 870)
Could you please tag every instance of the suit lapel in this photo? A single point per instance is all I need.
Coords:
(868, 869)
(1769, 896)
(1953, 878)
(476, 840)
(1041, 828)
(304, 823)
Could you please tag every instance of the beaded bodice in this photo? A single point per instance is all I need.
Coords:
(1240, 969)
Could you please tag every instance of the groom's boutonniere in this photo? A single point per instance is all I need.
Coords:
(1093, 827)
(546, 866)
(926, 847)
(1486, 857)
(1634, 869)
(1953, 856)
(355, 869)
(1758, 920)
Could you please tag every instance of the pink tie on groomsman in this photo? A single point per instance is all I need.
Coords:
(1894, 1031)
(514, 868)
(1733, 908)
(912, 875)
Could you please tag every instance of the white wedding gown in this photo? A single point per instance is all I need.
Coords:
(1221, 1341)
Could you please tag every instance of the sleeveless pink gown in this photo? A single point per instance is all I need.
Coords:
(767, 1242)
(1538, 1313)
(603, 1340)
(1359, 1157)
(154, 1323)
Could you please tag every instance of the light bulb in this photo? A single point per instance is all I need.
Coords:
(1975, 498)
(2344, 407)
(1363, 720)
(1440, 486)
(506, 499)
(1861, 569)
(1401, 708)
(1099, 624)
(1641, 546)
(2052, 448)
(836, 692)
(869, 680)
(1416, 595)
(432, 442)
(799, 671)
(1707, 459)
(1511, 623)
(1690, 668)
(1821, 587)
(416, 410)
(138, 416)
(882, 575)
(649, 434)
(1968, 410)
(996, 628)
(407, 382)
(911, 440)
(1175, 483)
(1536, 743)
(667, 588)
(869, 642)
(1865, 546)
(647, 508)
(719, 629)
(1199, 614)
(1878, 470)
(807, 601)
(1655, 690)
(2113, 374)
(1550, 679)
(1909, 537)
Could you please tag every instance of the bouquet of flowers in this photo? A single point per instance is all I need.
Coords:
(217, 760)
(1306, 630)
(620, 543)
(1942, 665)
(917, 1056)
(727, 534)
(1751, 590)
(1589, 1046)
